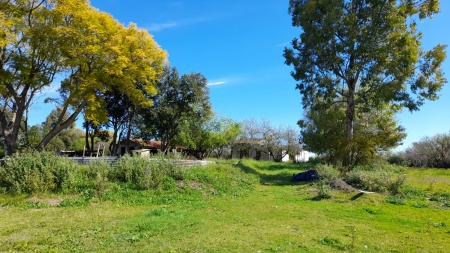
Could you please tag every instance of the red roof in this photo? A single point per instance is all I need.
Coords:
(148, 144)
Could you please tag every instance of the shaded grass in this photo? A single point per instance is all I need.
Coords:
(205, 214)
(271, 173)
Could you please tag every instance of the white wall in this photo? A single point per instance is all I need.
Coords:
(302, 156)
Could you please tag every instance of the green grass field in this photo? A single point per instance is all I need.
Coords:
(233, 206)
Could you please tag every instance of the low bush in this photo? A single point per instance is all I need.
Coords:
(36, 172)
(323, 190)
(327, 173)
(378, 178)
(147, 173)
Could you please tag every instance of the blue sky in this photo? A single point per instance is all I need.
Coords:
(238, 44)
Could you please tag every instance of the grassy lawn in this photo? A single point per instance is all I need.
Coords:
(234, 206)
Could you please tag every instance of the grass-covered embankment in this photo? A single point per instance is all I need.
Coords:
(232, 206)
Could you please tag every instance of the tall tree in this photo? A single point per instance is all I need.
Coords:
(202, 139)
(107, 56)
(29, 61)
(279, 142)
(224, 132)
(179, 99)
(93, 131)
(363, 54)
(42, 38)
(322, 132)
(117, 105)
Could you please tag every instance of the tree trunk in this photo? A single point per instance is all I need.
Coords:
(349, 122)
(130, 122)
(59, 126)
(10, 130)
(86, 135)
(113, 145)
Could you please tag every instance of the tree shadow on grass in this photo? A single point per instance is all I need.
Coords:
(279, 179)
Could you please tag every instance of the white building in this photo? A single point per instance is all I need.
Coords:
(302, 156)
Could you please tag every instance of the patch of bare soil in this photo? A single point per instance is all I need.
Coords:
(197, 186)
(52, 202)
(193, 185)
(339, 184)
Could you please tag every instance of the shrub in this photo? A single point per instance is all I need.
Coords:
(323, 190)
(397, 159)
(327, 173)
(35, 172)
(377, 178)
(147, 173)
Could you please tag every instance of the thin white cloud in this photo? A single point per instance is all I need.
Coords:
(216, 83)
(228, 80)
(156, 27)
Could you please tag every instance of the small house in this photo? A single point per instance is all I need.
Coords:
(145, 147)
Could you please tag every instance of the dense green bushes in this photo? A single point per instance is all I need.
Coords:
(35, 172)
(146, 173)
(378, 178)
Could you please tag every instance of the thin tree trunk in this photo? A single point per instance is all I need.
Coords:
(86, 135)
(130, 121)
(59, 126)
(349, 122)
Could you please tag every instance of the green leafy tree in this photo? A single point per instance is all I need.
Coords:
(376, 132)
(118, 105)
(363, 54)
(108, 56)
(29, 61)
(196, 139)
(178, 100)
(212, 136)
(42, 38)
(224, 132)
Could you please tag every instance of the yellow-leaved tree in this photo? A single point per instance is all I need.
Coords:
(29, 61)
(99, 54)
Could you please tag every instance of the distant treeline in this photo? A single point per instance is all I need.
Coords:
(433, 152)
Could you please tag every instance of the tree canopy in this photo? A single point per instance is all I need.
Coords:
(178, 99)
(360, 56)
(41, 39)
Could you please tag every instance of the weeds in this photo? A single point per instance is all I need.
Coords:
(395, 200)
(36, 172)
(378, 178)
(323, 190)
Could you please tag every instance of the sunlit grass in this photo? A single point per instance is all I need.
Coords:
(234, 206)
